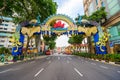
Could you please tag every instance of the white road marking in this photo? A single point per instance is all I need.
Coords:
(58, 58)
(68, 61)
(104, 67)
(118, 71)
(5, 70)
(9, 70)
(39, 72)
(93, 63)
(78, 72)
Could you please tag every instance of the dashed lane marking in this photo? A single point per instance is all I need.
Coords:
(9, 70)
(118, 71)
(38, 72)
(78, 72)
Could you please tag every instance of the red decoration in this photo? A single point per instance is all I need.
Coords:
(59, 24)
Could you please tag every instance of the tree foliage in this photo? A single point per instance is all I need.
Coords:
(50, 40)
(4, 50)
(76, 39)
(96, 16)
(52, 44)
(23, 10)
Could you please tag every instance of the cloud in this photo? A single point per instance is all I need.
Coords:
(62, 41)
(71, 8)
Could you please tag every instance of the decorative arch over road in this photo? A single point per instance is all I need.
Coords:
(65, 18)
(46, 28)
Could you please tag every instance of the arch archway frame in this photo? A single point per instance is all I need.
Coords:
(45, 28)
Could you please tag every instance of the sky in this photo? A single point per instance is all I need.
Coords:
(71, 8)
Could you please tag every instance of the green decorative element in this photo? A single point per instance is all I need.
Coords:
(10, 58)
(106, 57)
(15, 41)
(16, 36)
(2, 58)
(102, 40)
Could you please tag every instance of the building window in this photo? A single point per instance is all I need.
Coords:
(1, 28)
(97, 2)
(1, 24)
(1, 45)
(113, 31)
(2, 41)
(5, 28)
(109, 1)
(102, 4)
(114, 7)
(6, 24)
(91, 8)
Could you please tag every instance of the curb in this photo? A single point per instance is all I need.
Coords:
(8, 63)
(112, 63)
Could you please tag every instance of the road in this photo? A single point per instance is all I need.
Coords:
(60, 67)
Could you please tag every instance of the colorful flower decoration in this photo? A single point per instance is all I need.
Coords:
(15, 41)
(103, 40)
(59, 24)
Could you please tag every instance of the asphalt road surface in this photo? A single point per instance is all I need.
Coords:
(60, 67)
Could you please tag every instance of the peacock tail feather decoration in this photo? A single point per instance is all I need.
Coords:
(15, 41)
(102, 40)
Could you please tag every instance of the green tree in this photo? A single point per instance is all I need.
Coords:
(50, 40)
(71, 40)
(25, 10)
(52, 44)
(96, 16)
(76, 39)
(2, 7)
(4, 50)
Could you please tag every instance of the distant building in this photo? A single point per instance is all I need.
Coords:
(7, 28)
(113, 18)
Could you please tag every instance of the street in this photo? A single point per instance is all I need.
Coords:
(60, 67)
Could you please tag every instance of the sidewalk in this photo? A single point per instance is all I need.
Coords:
(7, 63)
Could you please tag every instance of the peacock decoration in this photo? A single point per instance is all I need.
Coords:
(15, 41)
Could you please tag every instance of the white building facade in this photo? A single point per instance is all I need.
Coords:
(7, 28)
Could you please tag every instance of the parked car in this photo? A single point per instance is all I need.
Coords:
(47, 52)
